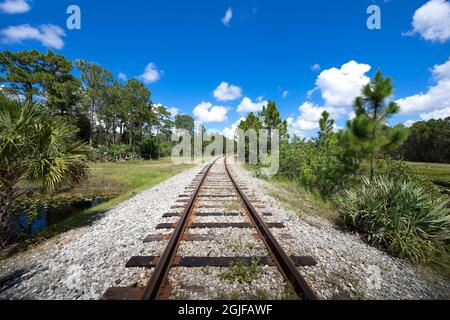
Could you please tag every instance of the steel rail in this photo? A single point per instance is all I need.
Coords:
(284, 262)
(159, 277)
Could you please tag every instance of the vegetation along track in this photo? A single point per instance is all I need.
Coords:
(212, 207)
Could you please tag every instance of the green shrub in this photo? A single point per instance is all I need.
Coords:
(152, 148)
(401, 216)
(321, 169)
(116, 153)
(148, 148)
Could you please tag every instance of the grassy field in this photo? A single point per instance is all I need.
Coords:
(115, 181)
(432, 170)
(119, 181)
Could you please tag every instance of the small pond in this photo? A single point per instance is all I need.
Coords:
(51, 216)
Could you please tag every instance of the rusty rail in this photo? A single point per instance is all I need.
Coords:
(158, 284)
(284, 262)
(160, 275)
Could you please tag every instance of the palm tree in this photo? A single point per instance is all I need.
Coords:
(34, 147)
(368, 131)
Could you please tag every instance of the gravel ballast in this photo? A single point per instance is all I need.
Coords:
(83, 263)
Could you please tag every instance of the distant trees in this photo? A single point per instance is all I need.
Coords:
(103, 112)
(428, 142)
(95, 80)
(32, 74)
(185, 122)
(271, 119)
(368, 132)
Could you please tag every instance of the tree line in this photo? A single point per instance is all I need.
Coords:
(103, 111)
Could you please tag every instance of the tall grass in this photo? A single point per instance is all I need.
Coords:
(401, 216)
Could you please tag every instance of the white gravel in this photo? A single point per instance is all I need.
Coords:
(347, 267)
(207, 283)
(83, 263)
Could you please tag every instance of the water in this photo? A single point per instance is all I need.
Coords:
(52, 216)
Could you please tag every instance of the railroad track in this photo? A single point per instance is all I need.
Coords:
(203, 214)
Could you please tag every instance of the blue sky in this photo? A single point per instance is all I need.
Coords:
(308, 56)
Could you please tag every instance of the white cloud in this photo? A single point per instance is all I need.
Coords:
(409, 123)
(316, 67)
(14, 6)
(339, 87)
(432, 21)
(174, 111)
(48, 35)
(247, 105)
(436, 114)
(228, 16)
(307, 120)
(151, 74)
(227, 92)
(436, 101)
(206, 112)
(229, 133)
(122, 76)
(285, 94)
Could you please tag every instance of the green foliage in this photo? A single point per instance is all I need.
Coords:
(326, 125)
(368, 133)
(396, 170)
(30, 73)
(149, 148)
(184, 121)
(116, 153)
(400, 216)
(428, 142)
(271, 119)
(319, 168)
(35, 147)
(243, 273)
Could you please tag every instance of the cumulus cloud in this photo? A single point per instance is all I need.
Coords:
(14, 6)
(307, 120)
(206, 112)
(151, 74)
(122, 76)
(247, 105)
(228, 16)
(48, 35)
(227, 92)
(435, 103)
(432, 21)
(229, 132)
(338, 88)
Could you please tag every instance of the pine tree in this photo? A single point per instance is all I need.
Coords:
(368, 132)
(326, 128)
